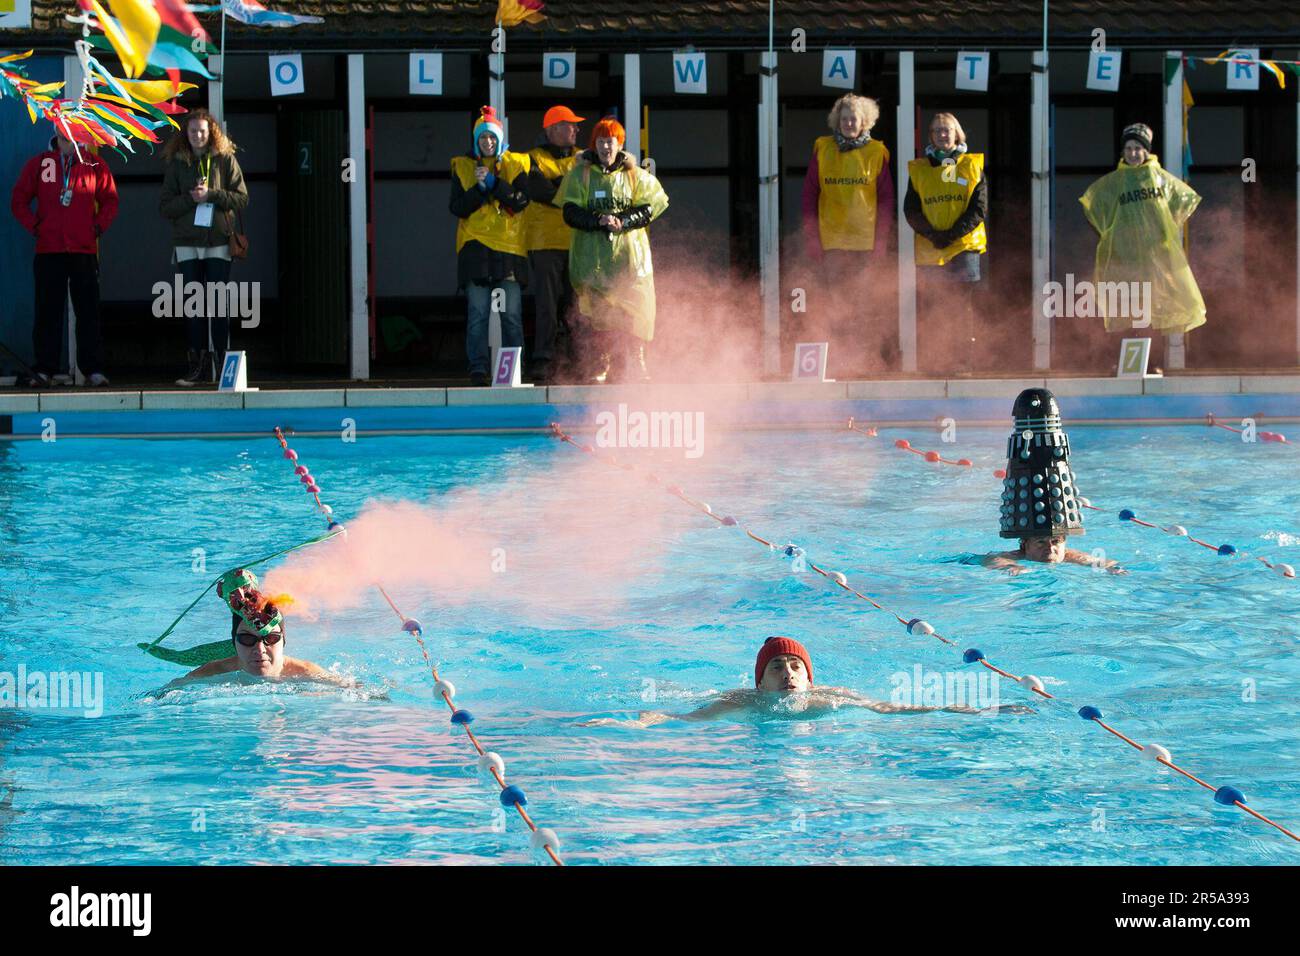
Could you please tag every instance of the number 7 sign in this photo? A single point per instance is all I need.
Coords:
(1134, 356)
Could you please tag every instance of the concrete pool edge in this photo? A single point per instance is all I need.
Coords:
(1181, 400)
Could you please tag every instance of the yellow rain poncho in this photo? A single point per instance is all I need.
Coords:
(1139, 212)
(611, 272)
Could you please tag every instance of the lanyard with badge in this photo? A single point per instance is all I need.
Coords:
(203, 210)
(65, 197)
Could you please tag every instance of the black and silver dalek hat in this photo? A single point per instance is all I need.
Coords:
(1039, 496)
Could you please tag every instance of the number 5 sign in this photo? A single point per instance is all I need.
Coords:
(506, 374)
(810, 362)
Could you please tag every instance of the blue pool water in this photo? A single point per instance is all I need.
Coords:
(1189, 650)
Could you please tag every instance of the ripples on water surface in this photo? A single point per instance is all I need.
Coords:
(97, 540)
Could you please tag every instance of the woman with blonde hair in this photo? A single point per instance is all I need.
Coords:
(203, 190)
(946, 203)
(848, 214)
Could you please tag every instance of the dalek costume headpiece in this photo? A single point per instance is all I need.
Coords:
(1039, 496)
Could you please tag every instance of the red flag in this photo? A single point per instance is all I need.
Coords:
(176, 14)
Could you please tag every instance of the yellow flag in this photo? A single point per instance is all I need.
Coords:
(155, 91)
(132, 33)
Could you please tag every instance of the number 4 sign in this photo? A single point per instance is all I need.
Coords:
(234, 373)
(810, 362)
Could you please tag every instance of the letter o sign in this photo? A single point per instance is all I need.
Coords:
(286, 74)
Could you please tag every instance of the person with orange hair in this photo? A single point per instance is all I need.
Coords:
(608, 201)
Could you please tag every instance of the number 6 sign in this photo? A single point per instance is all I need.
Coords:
(810, 362)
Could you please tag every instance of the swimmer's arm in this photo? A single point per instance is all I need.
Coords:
(1078, 557)
(1002, 561)
(314, 672)
(649, 718)
(210, 669)
(880, 707)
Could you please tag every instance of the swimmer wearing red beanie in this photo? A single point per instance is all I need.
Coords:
(783, 688)
(783, 665)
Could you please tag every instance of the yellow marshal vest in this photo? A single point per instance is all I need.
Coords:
(943, 202)
(544, 225)
(492, 224)
(846, 204)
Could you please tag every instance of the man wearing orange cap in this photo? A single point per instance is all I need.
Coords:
(783, 686)
(548, 241)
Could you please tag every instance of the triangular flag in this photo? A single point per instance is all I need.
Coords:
(1272, 68)
(511, 13)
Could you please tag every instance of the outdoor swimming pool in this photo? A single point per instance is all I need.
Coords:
(616, 597)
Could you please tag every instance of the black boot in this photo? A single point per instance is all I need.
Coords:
(200, 369)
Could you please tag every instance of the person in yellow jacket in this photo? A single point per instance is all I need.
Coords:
(548, 241)
(946, 203)
(1139, 211)
(609, 201)
(489, 191)
(848, 216)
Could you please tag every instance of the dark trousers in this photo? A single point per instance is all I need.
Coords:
(58, 274)
(553, 295)
(206, 270)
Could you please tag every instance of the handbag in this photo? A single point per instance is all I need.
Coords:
(238, 238)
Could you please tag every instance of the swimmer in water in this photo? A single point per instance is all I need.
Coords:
(258, 639)
(783, 678)
(261, 656)
(1041, 504)
(1046, 551)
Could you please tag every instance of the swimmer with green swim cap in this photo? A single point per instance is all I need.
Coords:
(783, 684)
(258, 638)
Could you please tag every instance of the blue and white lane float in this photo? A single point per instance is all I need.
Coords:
(489, 763)
(1125, 514)
(1224, 795)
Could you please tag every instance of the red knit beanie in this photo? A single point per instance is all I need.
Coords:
(775, 647)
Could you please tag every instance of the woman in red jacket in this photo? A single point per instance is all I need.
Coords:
(76, 201)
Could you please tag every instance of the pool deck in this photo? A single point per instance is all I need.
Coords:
(1172, 400)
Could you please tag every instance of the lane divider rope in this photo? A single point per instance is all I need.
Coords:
(1125, 514)
(1224, 795)
(489, 762)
